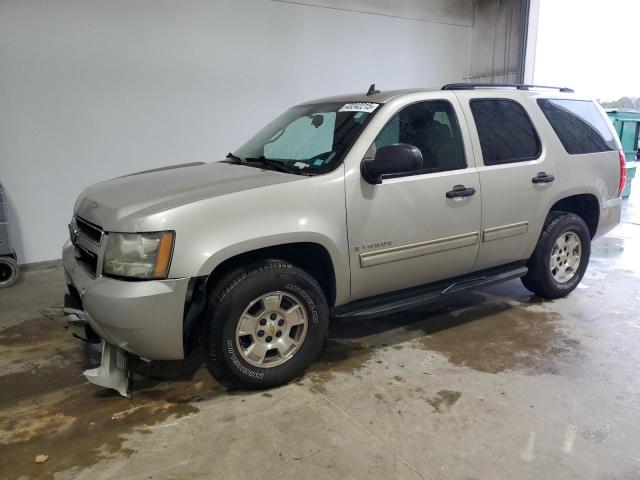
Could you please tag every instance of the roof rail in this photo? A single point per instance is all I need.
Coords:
(517, 86)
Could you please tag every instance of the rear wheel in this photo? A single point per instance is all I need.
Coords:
(560, 258)
(266, 323)
(8, 271)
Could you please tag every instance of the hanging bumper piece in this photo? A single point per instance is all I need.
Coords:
(113, 371)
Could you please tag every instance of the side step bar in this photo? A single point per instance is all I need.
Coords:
(394, 302)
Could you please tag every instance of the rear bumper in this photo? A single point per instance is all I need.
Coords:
(610, 213)
(144, 318)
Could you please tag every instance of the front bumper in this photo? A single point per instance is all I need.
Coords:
(144, 318)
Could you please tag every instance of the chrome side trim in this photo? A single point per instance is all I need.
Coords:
(403, 252)
(504, 231)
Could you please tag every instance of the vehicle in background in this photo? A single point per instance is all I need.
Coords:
(8, 260)
(354, 206)
(626, 122)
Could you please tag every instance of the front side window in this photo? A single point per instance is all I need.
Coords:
(579, 125)
(505, 131)
(307, 139)
(432, 127)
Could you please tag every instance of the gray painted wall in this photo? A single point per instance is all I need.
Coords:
(497, 41)
(91, 90)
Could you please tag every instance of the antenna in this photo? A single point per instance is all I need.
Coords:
(372, 90)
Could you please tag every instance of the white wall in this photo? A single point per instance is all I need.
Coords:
(90, 90)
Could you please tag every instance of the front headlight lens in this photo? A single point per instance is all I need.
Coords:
(138, 255)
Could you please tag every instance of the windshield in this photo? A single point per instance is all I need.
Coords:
(308, 139)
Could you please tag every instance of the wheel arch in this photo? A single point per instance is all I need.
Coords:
(312, 257)
(585, 205)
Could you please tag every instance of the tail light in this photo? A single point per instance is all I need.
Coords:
(623, 172)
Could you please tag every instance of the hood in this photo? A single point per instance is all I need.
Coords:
(110, 204)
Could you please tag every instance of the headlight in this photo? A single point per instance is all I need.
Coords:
(138, 255)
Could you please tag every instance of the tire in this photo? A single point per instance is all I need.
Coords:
(556, 277)
(264, 291)
(8, 271)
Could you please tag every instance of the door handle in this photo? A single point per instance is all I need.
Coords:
(461, 191)
(542, 177)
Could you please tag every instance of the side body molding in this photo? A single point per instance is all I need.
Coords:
(403, 252)
(504, 231)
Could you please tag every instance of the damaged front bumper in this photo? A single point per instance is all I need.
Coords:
(143, 318)
(113, 371)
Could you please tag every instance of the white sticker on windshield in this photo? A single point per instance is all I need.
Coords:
(359, 107)
(300, 165)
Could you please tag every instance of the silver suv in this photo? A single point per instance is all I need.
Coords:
(350, 206)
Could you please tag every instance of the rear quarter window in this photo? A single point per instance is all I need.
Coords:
(579, 125)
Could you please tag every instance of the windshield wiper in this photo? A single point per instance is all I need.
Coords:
(267, 162)
(275, 164)
(233, 157)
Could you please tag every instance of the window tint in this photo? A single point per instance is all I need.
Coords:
(505, 130)
(431, 126)
(579, 125)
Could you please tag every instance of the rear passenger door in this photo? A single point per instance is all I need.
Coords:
(517, 174)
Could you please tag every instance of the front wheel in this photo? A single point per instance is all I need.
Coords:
(266, 323)
(560, 258)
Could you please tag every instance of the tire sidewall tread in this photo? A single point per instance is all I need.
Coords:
(13, 265)
(539, 279)
(230, 298)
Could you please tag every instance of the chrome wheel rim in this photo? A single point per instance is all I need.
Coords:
(271, 329)
(565, 257)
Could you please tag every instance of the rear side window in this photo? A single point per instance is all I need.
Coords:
(505, 130)
(579, 125)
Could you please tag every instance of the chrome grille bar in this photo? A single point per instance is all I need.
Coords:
(89, 230)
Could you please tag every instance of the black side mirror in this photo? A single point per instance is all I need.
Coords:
(391, 160)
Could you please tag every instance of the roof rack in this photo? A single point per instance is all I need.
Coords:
(517, 86)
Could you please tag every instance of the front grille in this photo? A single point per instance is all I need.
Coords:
(88, 260)
(89, 230)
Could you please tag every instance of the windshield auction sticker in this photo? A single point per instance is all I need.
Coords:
(359, 107)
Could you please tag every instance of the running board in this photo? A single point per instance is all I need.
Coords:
(394, 302)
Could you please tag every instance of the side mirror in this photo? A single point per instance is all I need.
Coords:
(393, 159)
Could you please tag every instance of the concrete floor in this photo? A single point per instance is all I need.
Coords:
(492, 384)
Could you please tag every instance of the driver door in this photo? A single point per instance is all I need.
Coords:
(406, 231)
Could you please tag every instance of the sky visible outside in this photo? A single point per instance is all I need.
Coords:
(592, 46)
